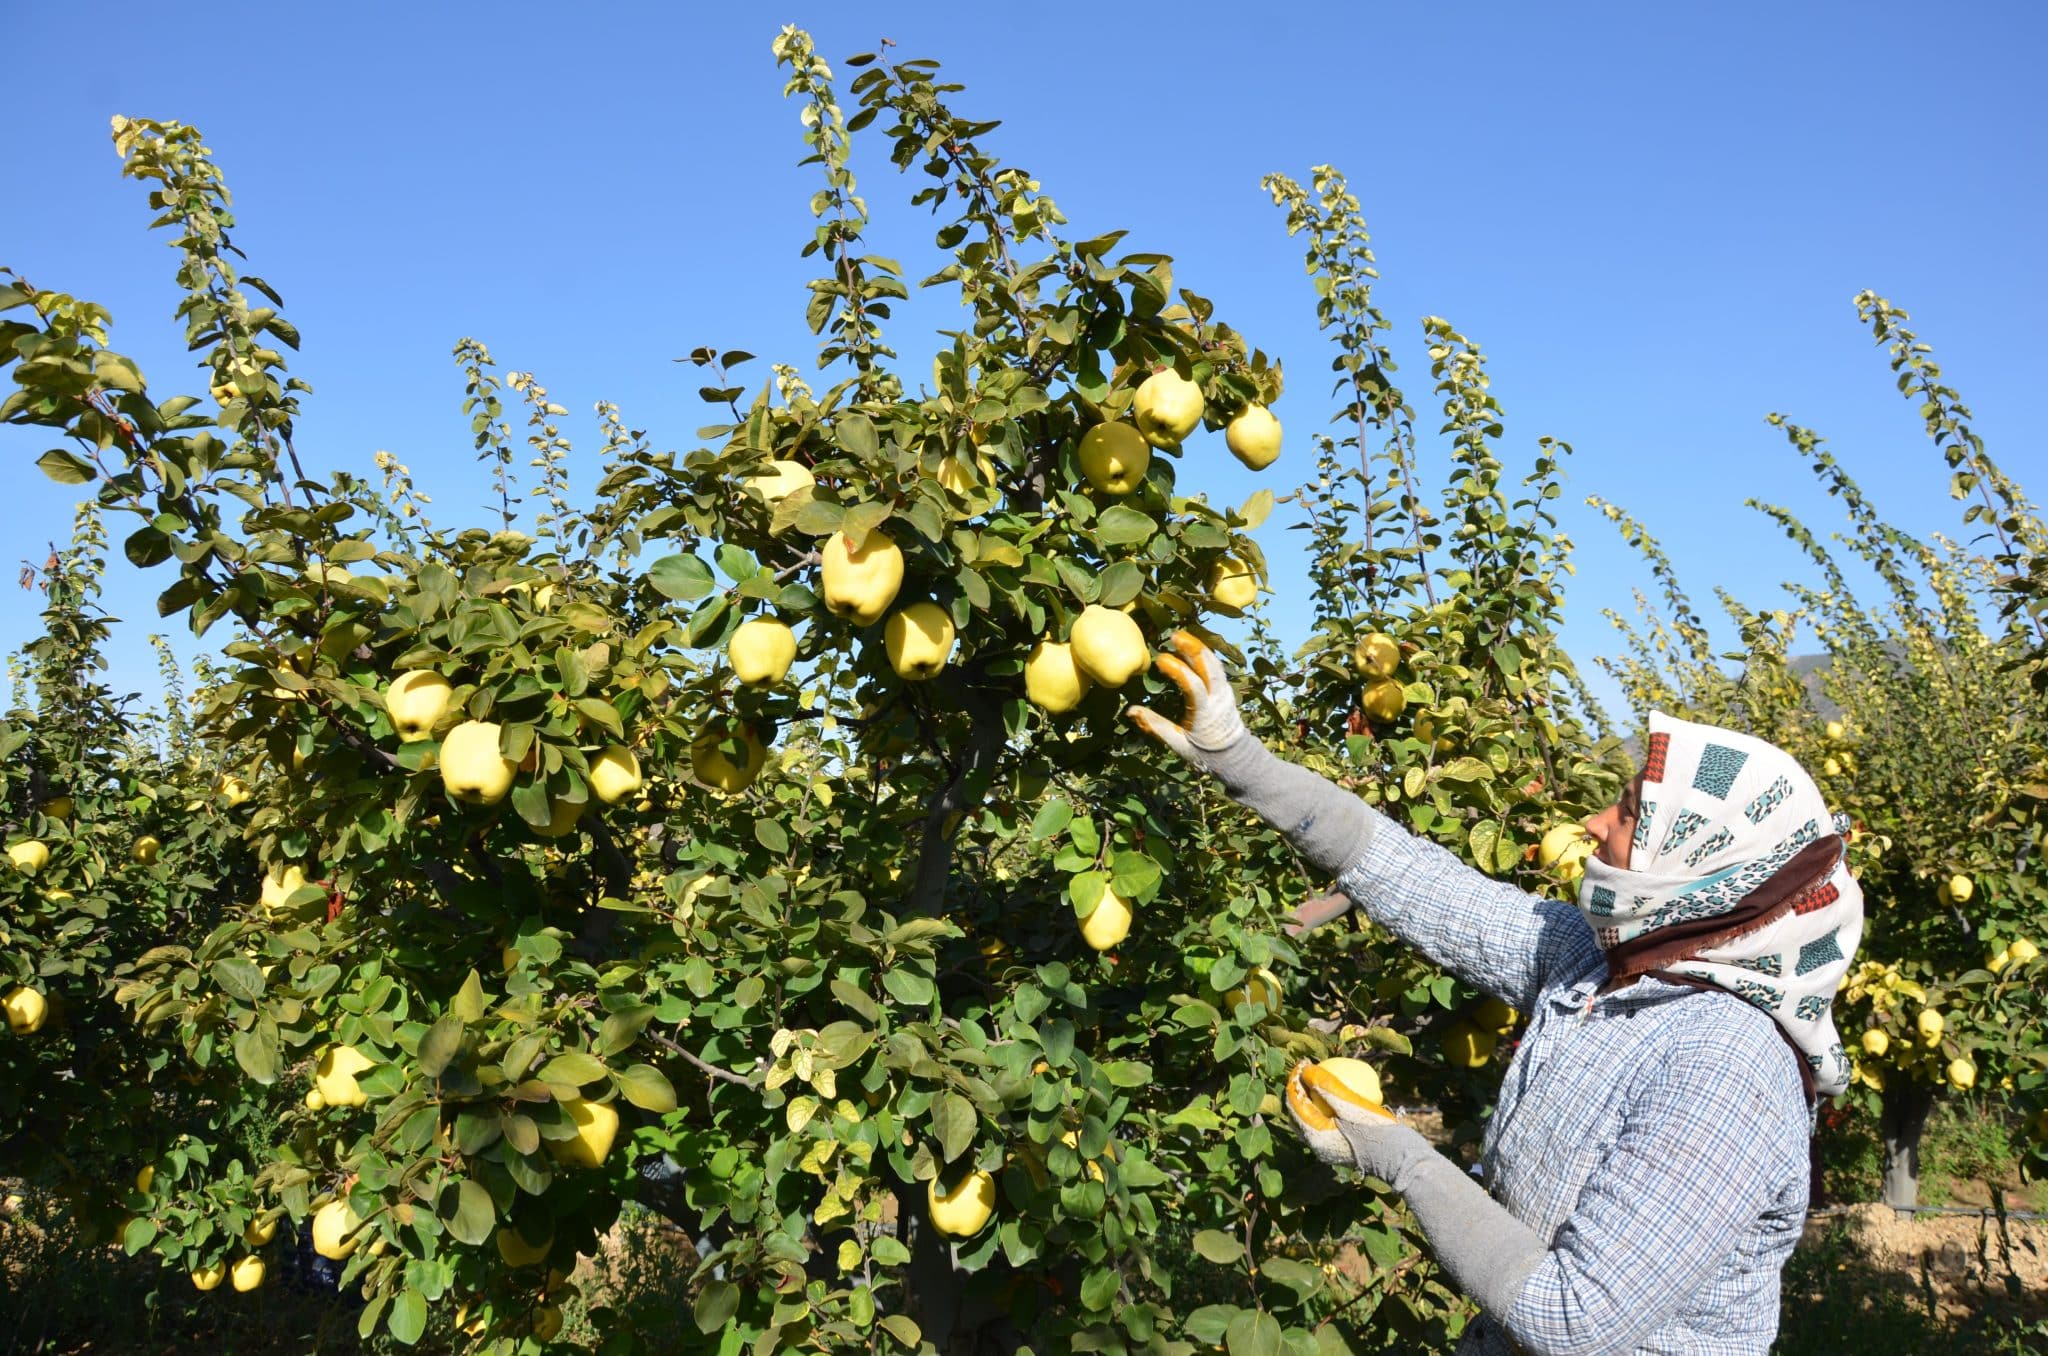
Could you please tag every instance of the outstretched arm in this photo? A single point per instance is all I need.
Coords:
(1495, 936)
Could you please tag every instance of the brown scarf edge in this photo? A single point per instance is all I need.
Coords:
(1760, 907)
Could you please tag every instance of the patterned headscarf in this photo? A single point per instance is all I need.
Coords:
(1736, 880)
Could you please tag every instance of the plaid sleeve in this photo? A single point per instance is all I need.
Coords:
(1494, 936)
(1698, 1161)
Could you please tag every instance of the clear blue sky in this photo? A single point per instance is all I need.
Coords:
(1653, 217)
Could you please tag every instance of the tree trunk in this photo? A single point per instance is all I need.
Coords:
(1901, 1118)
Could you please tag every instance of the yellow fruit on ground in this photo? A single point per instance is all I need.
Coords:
(1831, 767)
(332, 1225)
(1052, 679)
(596, 1125)
(615, 774)
(146, 849)
(145, 1177)
(1108, 923)
(1262, 987)
(1232, 585)
(1875, 1043)
(260, 1231)
(247, 1273)
(1466, 1046)
(714, 765)
(1384, 700)
(1961, 887)
(473, 772)
(314, 1100)
(961, 1212)
(2021, 950)
(517, 1251)
(334, 1077)
(26, 1011)
(1167, 408)
(1254, 437)
(1108, 646)
(209, 1277)
(1493, 1014)
(1837, 732)
(761, 651)
(1113, 458)
(919, 640)
(860, 585)
(775, 481)
(415, 701)
(29, 856)
(1962, 1073)
(59, 807)
(1377, 655)
(1931, 1025)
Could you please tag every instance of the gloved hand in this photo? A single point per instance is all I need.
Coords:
(1488, 1252)
(1346, 1131)
(1211, 734)
(1327, 824)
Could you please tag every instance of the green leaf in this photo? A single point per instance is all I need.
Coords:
(1134, 875)
(571, 1070)
(770, 834)
(1052, 817)
(902, 1328)
(857, 1000)
(716, 1303)
(1253, 1334)
(1256, 509)
(1219, 1247)
(468, 1003)
(856, 433)
(146, 547)
(953, 1122)
(1121, 582)
(407, 1317)
(683, 578)
(66, 467)
(602, 713)
(908, 988)
(1122, 525)
(1085, 890)
(474, 1215)
(440, 1045)
(737, 565)
(647, 1088)
(257, 1051)
(1209, 1323)
(239, 978)
(1099, 1288)
(1481, 843)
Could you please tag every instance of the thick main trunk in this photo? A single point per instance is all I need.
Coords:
(1901, 1119)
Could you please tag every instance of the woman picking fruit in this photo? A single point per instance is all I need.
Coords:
(1646, 1168)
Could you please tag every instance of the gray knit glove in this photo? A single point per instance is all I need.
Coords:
(1487, 1251)
(1328, 825)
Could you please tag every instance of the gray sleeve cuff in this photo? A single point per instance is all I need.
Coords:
(1488, 1252)
(1329, 826)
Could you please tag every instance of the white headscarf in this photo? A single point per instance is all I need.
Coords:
(1737, 880)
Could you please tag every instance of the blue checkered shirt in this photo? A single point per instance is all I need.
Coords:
(1655, 1137)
